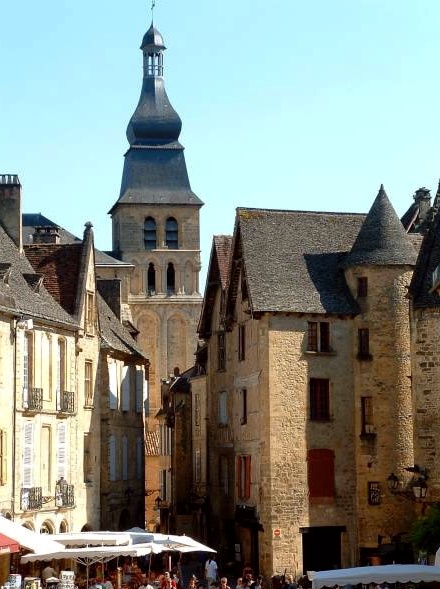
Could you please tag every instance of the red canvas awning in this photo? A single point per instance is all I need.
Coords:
(8, 545)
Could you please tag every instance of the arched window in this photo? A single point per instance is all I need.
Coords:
(171, 279)
(149, 233)
(171, 233)
(151, 279)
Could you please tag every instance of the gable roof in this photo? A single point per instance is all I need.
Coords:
(382, 239)
(217, 278)
(22, 291)
(114, 334)
(292, 259)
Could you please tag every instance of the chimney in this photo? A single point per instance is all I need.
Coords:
(110, 290)
(48, 234)
(423, 198)
(10, 207)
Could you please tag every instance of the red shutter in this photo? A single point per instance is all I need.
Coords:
(238, 476)
(247, 477)
(321, 472)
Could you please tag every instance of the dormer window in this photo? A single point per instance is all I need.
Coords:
(171, 233)
(150, 233)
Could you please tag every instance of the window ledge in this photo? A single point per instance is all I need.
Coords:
(319, 353)
(222, 425)
(321, 419)
(364, 357)
(368, 436)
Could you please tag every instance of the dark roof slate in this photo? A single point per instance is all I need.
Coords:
(293, 259)
(115, 335)
(382, 239)
(20, 293)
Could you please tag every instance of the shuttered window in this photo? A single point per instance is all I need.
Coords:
(28, 455)
(124, 458)
(321, 472)
(112, 471)
(125, 388)
(139, 458)
(62, 450)
(243, 477)
(113, 385)
(141, 390)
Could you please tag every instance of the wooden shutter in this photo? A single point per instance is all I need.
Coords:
(139, 458)
(238, 477)
(112, 458)
(124, 458)
(62, 450)
(321, 472)
(28, 455)
(125, 386)
(113, 385)
(247, 476)
(140, 380)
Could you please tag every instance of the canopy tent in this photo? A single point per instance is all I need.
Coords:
(92, 538)
(8, 545)
(27, 538)
(172, 542)
(390, 573)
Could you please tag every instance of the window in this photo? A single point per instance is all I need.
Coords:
(113, 385)
(28, 367)
(221, 351)
(139, 458)
(243, 477)
(126, 388)
(321, 472)
(318, 336)
(88, 383)
(223, 408)
(141, 382)
(45, 459)
(150, 234)
(367, 426)
(151, 279)
(124, 458)
(241, 342)
(171, 233)
(28, 459)
(319, 399)
(61, 371)
(165, 440)
(62, 450)
(224, 475)
(243, 399)
(364, 343)
(197, 466)
(112, 470)
(362, 286)
(373, 493)
(171, 280)
(87, 459)
(90, 312)
(3, 457)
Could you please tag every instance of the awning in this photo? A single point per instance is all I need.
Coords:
(28, 538)
(8, 545)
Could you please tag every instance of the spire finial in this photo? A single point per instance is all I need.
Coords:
(153, 4)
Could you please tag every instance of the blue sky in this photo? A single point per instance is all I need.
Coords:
(285, 104)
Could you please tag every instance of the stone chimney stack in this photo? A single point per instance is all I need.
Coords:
(10, 207)
(49, 234)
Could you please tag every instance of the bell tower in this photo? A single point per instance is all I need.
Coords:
(155, 227)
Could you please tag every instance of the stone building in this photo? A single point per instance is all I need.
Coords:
(79, 382)
(309, 396)
(155, 228)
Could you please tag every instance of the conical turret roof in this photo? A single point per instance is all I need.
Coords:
(382, 240)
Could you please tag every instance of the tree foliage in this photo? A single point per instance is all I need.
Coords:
(425, 532)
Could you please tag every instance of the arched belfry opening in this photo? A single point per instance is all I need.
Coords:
(171, 279)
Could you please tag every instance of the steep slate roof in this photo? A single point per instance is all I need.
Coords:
(293, 259)
(22, 295)
(217, 278)
(427, 262)
(113, 334)
(382, 239)
(60, 264)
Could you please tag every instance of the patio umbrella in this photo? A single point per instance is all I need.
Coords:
(8, 545)
(89, 555)
(92, 538)
(177, 543)
(26, 537)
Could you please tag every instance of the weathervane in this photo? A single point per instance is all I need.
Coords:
(153, 4)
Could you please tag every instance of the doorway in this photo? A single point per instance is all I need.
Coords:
(321, 547)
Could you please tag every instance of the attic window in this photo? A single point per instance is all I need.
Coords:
(5, 272)
(362, 286)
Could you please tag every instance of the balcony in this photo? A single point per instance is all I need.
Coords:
(64, 494)
(67, 402)
(31, 498)
(32, 399)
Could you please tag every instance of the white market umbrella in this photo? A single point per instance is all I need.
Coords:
(389, 573)
(28, 538)
(92, 538)
(177, 543)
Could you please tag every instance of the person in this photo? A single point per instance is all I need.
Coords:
(224, 583)
(289, 583)
(247, 570)
(239, 584)
(167, 582)
(48, 572)
(211, 571)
